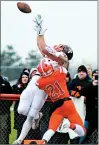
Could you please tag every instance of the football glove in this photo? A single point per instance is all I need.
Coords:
(38, 27)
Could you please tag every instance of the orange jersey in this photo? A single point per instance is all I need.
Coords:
(55, 85)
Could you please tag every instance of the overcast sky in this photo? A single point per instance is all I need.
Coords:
(69, 22)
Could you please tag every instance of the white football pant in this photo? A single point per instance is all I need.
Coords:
(32, 99)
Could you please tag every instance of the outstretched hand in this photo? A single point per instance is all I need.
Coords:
(38, 27)
(38, 20)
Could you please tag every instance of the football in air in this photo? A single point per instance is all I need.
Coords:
(24, 7)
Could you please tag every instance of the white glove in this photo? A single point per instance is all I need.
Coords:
(38, 27)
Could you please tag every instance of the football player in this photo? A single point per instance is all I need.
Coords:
(33, 98)
(53, 83)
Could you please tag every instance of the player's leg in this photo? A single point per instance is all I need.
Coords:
(76, 122)
(27, 97)
(55, 120)
(37, 103)
(67, 110)
(54, 123)
(25, 101)
(25, 129)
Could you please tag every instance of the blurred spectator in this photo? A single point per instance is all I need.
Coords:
(68, 78)
(18, 118)
(91, 93)
(82, 80)
(5, 124)
(89, 70)
(95, 74)
(5, 78)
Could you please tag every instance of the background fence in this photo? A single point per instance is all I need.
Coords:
(58, 138)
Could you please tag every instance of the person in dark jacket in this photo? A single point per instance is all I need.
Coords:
(5, 120)
(91, 93)
(81, 80)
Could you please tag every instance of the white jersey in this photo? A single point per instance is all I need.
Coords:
(52, 51)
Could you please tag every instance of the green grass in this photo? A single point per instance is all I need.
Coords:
(12, 136)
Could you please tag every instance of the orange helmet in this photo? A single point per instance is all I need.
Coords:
(45, 68)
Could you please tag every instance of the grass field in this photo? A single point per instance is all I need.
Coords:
(12, 136)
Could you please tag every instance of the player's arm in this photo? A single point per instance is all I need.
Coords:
(41, 43)
(40, 33)
(45, 49)
(40, 37)
(65, 61)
